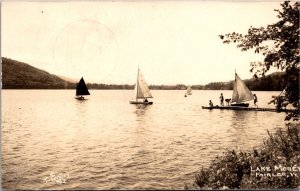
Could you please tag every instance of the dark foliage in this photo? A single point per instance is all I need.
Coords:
(236, 170)
(18, 75)
(272, 82)
(279, 43)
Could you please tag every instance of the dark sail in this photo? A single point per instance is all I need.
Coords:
(81, 88)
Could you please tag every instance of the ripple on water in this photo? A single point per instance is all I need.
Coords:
(113, 145)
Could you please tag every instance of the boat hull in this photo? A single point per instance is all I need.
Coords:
(225, 107)
(240, 104)
(80, 98)
(141, 102)
(245, 108)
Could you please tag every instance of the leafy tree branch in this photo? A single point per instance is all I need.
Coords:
(279, 44)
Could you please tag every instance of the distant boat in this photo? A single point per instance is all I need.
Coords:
(81, 90)
(141, 91)
(241, 93)
(189, 90)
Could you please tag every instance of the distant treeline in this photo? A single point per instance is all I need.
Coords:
(272, 82)
(130, 87)
(109, 86)
(19, 75)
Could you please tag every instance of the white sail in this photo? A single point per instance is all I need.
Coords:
(189, 90)
(241, 93)
(135, 92)
(141, 87)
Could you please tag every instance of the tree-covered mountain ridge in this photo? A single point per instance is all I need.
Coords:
(20, 75)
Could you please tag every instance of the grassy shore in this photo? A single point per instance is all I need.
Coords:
(274, 165)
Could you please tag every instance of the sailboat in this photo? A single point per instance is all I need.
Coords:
(81, 90)
(189, 90)
(141, 91)
(241, 93)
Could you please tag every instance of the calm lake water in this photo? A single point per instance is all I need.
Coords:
(106, 143)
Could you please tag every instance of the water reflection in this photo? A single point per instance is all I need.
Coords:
(241, 128)
(107, 142)
(81, 106)
(81, 116)
(141, 110)
(238, 119)
(141, 154)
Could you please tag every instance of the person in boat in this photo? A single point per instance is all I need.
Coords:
(221, 100)
(255, 99)
(146, 100)
(210, 103)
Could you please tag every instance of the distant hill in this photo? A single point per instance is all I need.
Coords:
(271, 82)
(68, 79)
(19, 75)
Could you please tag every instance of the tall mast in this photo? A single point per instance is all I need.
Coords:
(137, 81)
(234, 86)
(234, 75)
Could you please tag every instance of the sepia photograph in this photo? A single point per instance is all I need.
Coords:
(150, 95)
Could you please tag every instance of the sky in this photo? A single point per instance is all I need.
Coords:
(172, 42)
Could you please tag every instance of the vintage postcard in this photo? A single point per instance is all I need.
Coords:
(147, 94)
